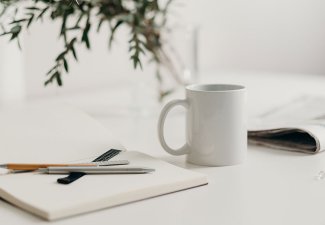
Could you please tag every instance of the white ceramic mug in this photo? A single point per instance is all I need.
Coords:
(216, 133)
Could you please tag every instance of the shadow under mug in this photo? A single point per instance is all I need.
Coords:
(216, 132)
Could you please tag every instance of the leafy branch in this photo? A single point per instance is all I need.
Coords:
(146, 20)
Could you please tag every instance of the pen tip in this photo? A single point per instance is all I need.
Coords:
(3, 166)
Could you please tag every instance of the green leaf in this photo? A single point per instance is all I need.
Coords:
(18, 21)
(73, 40)
(86, 40)
(140, 50)
(15, 31)
(100, 24)
(79, 19)
(57, 75)
(61, 56)
(63, 25)
(47, 82)
(42, 13)
(18, 43)
(51, 70)
(65, 64)
(165, 93)
(136, 61)
(131, 48)
(71, 48)
(72, 28)
(30, 21)
(118, 23)
(85, 37)
(74, 53)
(32, 8)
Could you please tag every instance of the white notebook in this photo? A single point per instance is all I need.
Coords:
(57, 133)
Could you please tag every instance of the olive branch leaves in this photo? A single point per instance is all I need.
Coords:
(145, 18)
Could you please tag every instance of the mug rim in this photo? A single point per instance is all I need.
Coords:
(227, 87)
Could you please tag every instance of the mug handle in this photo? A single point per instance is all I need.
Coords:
(161, 123)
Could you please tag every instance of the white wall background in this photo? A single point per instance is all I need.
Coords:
(12, 77)
(266, 35)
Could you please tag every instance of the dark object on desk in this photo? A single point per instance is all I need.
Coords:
(72, 177)
(76, 175)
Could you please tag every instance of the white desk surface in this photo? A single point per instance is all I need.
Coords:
(271, 187)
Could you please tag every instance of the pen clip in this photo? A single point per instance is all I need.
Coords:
(104, 157)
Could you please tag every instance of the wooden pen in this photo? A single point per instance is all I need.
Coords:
(27, 166)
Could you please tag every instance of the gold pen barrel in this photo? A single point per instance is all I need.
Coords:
(35, 166)
(26, 166)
